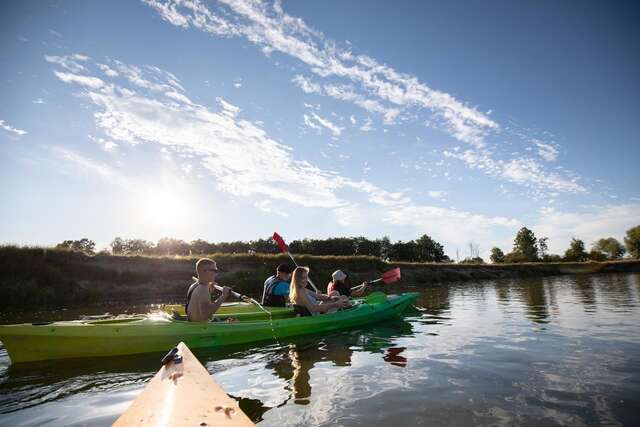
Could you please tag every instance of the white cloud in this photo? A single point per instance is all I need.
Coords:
(546, 151)
(358, 79)
(108, 70)
(268, 207)
(352, 119)
(90, 82)
(521, 170)
(235, 152)
(85, 164)
(437, 194)
(38, 101)
(316, 122)
(11, 129)
(588, 224)
(105, 145)
(68, 62)
(367, 126)
(306, 85)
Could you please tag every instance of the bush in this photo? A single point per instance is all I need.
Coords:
(515, 257)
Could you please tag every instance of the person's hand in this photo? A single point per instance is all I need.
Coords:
(212, 286)
(225, 292)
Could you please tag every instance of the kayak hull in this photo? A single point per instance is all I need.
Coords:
(62, 340)
(240, 311)
(183, 394)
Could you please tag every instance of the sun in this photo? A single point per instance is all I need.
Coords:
(162, 208)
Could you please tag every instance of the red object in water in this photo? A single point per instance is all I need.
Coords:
(391, 276)
(280, 241)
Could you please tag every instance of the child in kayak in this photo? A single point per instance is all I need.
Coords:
(308, 303)
(199, 307)
(341, 285)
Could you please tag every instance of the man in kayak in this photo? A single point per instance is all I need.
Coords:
(341, 285)
(276, 288)
(306, 302)
(199, 307)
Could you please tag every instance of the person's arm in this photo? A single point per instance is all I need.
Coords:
(323, 308)
(209, 308)
(322, 297)
(358, 291)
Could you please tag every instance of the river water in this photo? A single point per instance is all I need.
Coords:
(551, 351)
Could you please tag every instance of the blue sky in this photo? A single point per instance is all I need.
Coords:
(230, 120)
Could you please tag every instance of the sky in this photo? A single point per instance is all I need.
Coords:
(229, 120)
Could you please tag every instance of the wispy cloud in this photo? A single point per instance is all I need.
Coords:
(437, 194)
(11, 129)
(85, 164)
(38, 101)
(338, 72)
(316, 122)
(235, 152)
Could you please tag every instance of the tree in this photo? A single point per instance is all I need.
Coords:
(474, 260)
(610, 247)
(525, 243)
(543, 248)
(138, 247)
(428, 250)
(497, 256)
(118, 246)
(515, 257)
(171, 246)
(83, 245)
(632, 241)
(576, 251)
(385, 248)
(201, 247)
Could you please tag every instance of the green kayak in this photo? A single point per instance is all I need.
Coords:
(239, 311)
(155, 333)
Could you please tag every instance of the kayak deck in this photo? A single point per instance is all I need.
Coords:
(156, 333)
(239, 311)
(183, 394)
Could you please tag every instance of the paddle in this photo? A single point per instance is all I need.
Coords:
(387, 278)
(237, 295)
(285, 249)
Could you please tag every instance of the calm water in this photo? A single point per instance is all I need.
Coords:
(554, 351)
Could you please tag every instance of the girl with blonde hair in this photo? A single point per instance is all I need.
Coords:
(305, 302)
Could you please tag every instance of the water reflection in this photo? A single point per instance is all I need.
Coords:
(467, 354)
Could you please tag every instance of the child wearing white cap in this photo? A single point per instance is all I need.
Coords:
(341, 285)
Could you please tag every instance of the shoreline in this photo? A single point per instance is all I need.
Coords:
(50, 278)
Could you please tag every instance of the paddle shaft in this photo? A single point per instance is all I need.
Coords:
(234, 293)
(308, 279)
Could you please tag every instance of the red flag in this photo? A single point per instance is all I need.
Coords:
(280, 241)
(391, 276)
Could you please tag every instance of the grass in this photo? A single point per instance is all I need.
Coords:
(34, 277)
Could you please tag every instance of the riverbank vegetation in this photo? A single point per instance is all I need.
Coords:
(32, 278)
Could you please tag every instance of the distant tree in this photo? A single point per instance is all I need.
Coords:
(201, 247)
(595, 255)
(428, 250)
(364, 246)
(474, 260)
(543, 248)
(610, 247)
(515, 257)
(401, 251)
(171, 246)
(576, 251)
(138, 247)
(264, 246)
(497, 256)
(525, 243)
(83, 245)
(385, 248)
(552, 258)
(632, 241)
(118, 246)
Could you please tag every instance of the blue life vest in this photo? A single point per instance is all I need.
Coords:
(275, 297)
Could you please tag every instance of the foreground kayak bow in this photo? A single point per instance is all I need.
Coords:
(183, 393)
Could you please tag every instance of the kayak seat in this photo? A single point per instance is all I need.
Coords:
(301, 311)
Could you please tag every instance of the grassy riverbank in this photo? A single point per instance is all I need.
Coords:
(37, 277)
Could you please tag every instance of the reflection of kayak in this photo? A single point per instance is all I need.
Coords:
(183, 394)
(238, 310)
(155, 333)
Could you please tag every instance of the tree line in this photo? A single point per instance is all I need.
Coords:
(526, 248)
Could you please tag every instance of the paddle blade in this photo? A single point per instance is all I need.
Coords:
(280, 242)
(391, 276)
